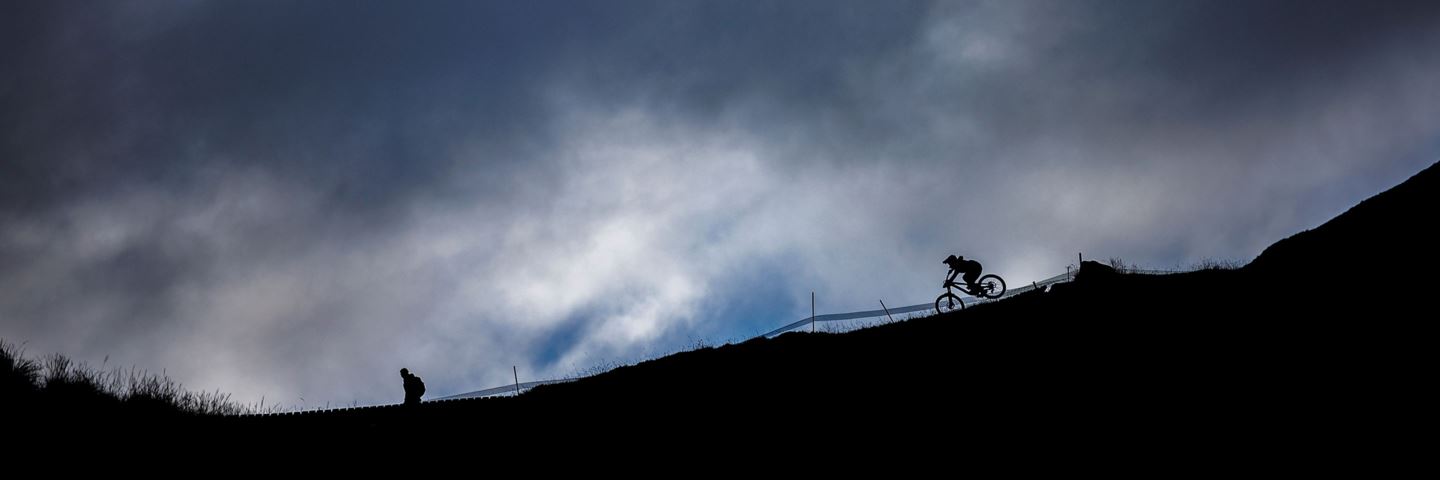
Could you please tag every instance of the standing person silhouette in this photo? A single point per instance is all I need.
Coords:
(414, 387)
(970, 268)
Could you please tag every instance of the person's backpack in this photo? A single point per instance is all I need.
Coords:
(419, 386)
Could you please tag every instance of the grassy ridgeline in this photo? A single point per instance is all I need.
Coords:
(54, 387)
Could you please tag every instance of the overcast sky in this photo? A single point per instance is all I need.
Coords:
(297, 198)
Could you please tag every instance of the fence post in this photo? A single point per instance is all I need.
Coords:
(812, 312)
(887, 311)
(516, 370)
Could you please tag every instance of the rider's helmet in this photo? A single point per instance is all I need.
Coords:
(950, 259)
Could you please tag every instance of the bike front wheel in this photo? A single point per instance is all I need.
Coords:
(948, 302)
(991, 286)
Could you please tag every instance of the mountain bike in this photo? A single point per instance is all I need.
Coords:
(988, 286)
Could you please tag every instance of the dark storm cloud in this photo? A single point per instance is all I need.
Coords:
(1209, 62)
(296, 197)
(365, 99)
(348, 100)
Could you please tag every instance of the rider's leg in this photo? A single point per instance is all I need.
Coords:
(970, 278)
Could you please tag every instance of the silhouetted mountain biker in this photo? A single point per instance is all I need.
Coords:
(970, 268)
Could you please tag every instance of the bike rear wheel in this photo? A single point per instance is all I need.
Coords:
(991, 286)
(948, 302)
